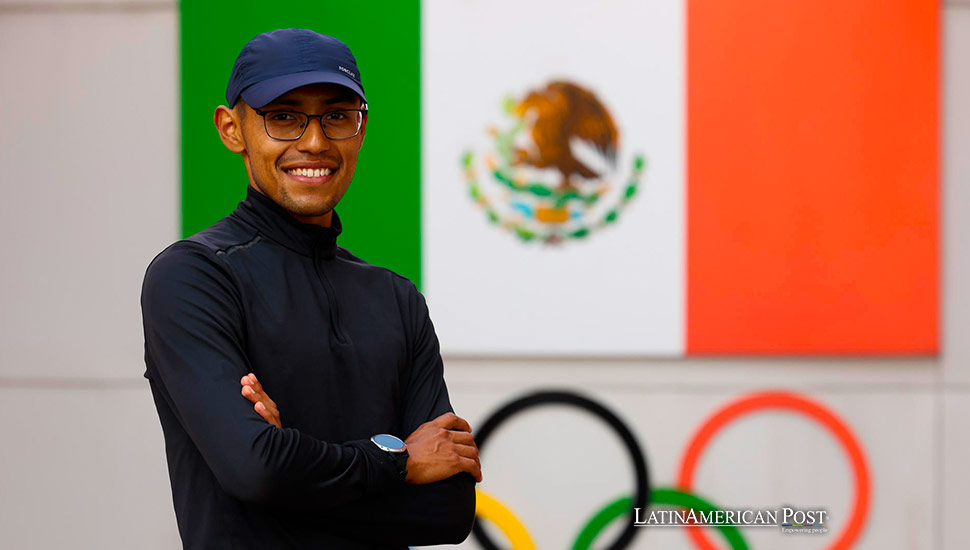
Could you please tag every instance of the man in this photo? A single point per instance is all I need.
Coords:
(265, 302)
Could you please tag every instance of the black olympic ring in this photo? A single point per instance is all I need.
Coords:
(641, 496)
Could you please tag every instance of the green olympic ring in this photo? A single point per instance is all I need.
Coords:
(621, 506)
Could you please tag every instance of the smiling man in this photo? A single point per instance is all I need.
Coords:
(359, 447)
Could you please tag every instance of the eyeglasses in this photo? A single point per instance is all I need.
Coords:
(290, 125)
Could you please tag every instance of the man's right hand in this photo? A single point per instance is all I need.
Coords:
(440, 449)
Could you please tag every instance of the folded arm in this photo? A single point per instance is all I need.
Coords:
(436, 506)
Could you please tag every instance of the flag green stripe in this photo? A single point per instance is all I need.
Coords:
(381, 210)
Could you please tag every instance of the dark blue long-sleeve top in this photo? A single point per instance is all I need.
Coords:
(345, 349)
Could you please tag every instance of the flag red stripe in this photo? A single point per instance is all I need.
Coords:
(812, 176)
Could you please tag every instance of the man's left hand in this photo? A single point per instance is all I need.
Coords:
(264, 406)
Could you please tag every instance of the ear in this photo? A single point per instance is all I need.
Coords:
(229, 125)
(363, 129)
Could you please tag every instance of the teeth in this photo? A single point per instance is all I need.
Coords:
(310, 172)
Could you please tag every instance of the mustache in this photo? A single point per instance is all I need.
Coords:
(322, 158)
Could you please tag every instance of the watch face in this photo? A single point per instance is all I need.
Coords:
(388, 441)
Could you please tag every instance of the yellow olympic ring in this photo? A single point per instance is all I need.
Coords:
(488, 508)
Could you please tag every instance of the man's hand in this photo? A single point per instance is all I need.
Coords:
(440, 449)
(265, 407)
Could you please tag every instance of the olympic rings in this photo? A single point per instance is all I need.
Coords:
(618, 508)
(642, 494)
(490, 509)
(782, 400)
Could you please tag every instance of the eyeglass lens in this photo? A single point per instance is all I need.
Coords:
(290, 124)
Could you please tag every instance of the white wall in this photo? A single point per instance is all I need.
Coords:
(88, 168)
(89, 165)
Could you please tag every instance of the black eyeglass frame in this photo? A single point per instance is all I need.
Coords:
(362, 111)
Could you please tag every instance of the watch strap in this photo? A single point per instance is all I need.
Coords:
(388, 444)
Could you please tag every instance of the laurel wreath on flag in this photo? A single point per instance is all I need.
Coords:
(502, 171)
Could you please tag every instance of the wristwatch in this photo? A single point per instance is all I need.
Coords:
(396, 449)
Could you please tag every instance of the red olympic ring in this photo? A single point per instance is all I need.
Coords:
(782, 400)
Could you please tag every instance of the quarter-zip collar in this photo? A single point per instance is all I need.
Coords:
(273, 221)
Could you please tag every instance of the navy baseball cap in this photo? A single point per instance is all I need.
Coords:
(276, 62)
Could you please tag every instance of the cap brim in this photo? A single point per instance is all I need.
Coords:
(264, 92)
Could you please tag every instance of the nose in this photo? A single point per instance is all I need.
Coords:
(313, 139)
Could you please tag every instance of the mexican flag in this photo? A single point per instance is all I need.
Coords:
(626, 178)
